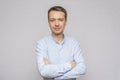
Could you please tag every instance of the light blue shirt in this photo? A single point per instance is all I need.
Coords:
(60, 56)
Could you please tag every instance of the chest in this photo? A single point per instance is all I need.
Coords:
(60, 53)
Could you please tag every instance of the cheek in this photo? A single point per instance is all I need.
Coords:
(51, 25)
(63, 25)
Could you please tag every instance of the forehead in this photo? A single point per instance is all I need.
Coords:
(56, 14)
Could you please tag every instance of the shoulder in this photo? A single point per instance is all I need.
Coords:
(72, 40)
(43, 40)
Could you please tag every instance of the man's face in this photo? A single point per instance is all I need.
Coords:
(57, 22)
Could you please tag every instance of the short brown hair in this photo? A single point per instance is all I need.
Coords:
(58, 8)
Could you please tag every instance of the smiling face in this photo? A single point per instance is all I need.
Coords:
(57, 22)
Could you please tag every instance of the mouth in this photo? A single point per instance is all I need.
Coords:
(57, 29)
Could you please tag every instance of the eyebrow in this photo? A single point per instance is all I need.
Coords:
(57, 18)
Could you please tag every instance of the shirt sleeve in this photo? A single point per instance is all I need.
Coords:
(49, 70)
(80, 67)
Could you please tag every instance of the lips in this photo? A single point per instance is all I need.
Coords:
(57, 29)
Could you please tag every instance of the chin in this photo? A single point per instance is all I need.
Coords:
(57, 33)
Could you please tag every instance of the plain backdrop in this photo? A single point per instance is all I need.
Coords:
(95, 23)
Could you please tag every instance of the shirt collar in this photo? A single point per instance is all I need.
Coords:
(57, 42)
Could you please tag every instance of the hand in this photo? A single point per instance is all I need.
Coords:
(73, 64)
(46, 61)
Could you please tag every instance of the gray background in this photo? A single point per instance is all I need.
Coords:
(95, 23)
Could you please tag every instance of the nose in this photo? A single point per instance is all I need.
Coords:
(57, 23)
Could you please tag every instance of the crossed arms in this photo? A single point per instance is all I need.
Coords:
(71, 69)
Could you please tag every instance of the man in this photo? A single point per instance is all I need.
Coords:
(59, 57)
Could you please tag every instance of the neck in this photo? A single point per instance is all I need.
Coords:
(59, 38)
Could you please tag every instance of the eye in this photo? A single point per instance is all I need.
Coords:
(61, 19)
(51, 20)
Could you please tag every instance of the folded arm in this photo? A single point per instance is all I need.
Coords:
(52, 70)
(78, 70)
